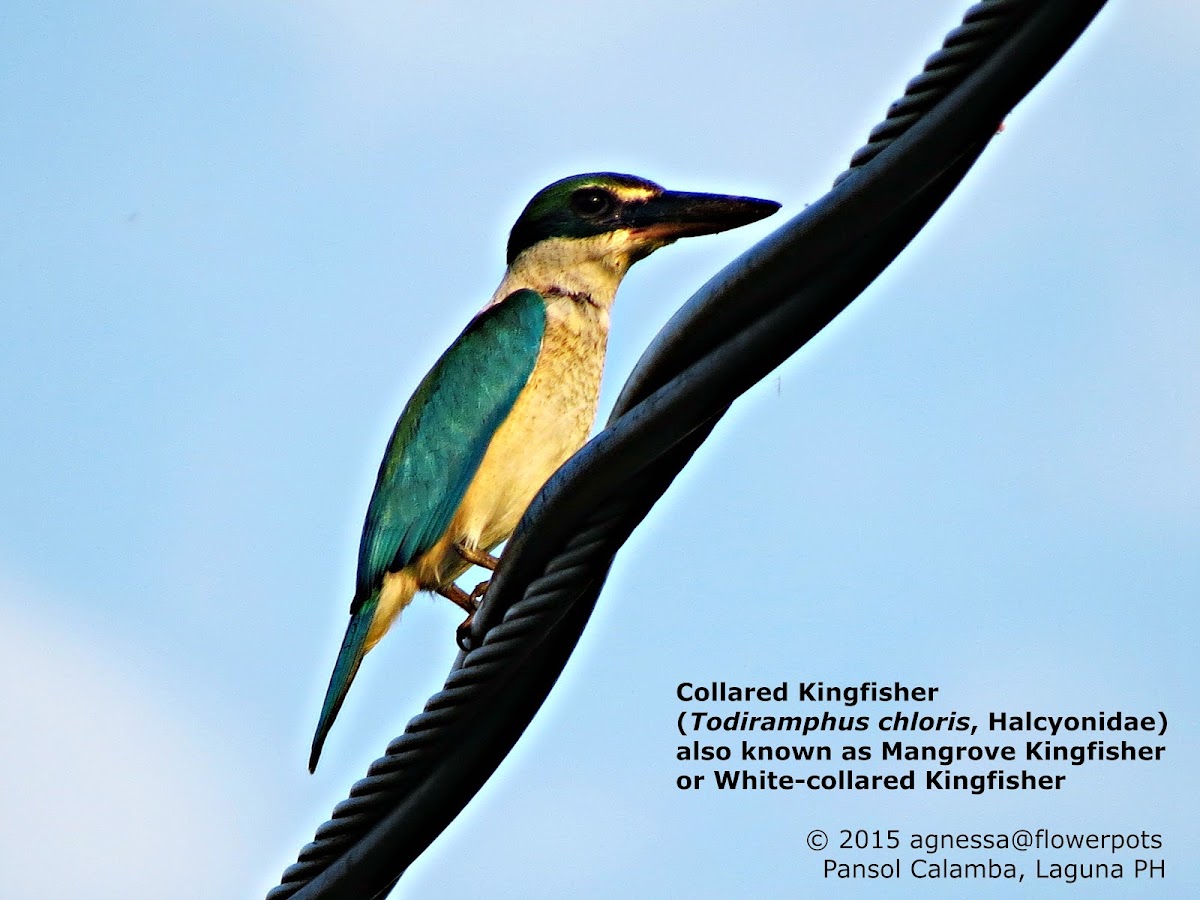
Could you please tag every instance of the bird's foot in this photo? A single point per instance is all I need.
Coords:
(460, 598)
(463, 635)
(477, 557)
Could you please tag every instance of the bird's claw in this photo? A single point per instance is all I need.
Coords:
(463, 635)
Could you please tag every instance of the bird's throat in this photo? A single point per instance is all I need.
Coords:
(587, 270)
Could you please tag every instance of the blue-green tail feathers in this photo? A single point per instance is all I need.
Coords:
(349, 657)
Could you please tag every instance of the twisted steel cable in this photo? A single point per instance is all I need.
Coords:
(744, 322)
(983, 27)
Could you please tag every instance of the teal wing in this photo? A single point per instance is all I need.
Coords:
(442, 435)
(433, 454)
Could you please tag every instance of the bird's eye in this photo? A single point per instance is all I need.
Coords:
(591, 201)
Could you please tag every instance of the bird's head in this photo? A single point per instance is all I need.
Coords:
(604, 222)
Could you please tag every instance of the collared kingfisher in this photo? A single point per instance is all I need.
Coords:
(511, 400)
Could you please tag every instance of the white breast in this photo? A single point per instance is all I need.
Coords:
(550, 421)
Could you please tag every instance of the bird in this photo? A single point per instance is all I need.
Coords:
(513, 397)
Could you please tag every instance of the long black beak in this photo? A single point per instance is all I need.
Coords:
(676, 214)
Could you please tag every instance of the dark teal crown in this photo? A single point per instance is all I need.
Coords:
(577, 207)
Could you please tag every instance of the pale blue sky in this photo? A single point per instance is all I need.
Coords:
(235, 235)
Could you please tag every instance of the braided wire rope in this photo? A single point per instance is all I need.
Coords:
(983, 26)
(743, 323)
